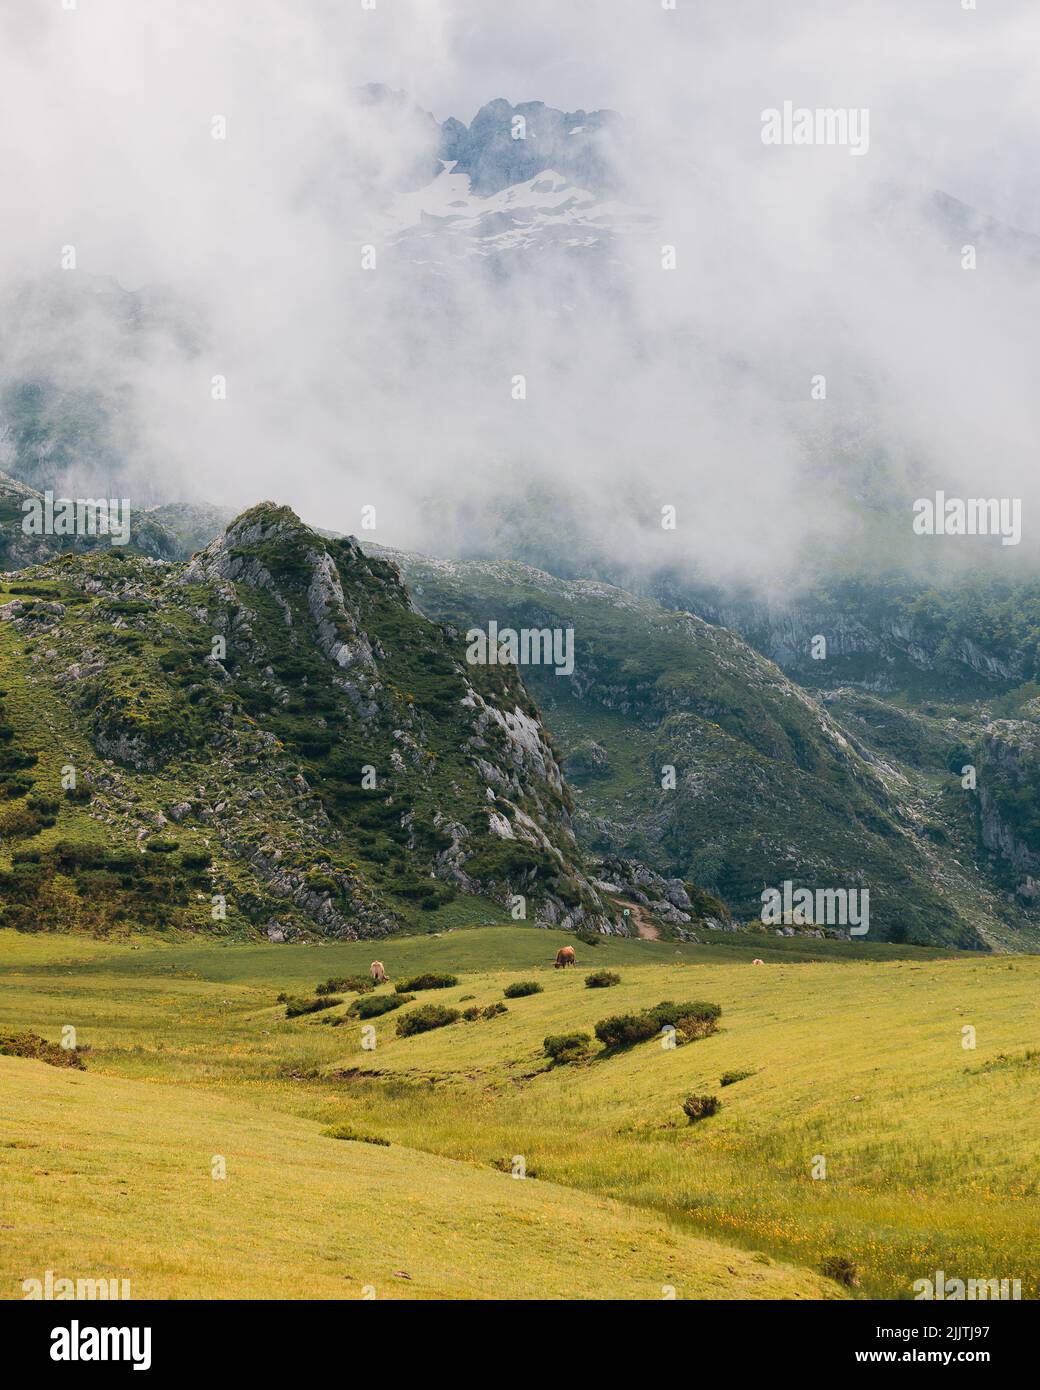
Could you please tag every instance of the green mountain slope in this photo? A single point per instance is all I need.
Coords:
(844, 772)
(269, 736)
(770, 785)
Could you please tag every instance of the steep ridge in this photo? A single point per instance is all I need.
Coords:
(269, 736)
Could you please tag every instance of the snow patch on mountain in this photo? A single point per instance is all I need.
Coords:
(447, 219)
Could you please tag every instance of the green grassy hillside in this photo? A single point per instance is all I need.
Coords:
(105, 1178)
(855, 1057)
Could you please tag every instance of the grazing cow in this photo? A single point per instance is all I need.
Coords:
(377, 972)
(756, 961)
(564, 956)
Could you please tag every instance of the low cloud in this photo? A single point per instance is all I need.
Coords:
(242, 258)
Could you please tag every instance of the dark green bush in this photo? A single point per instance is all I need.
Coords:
(371, 1006)
(295, 1007)
(695, 1019)
(431, 980)
(421, 1020)
(706, 904)
(623, 1030)
(195, 861)
(520, 988)
(568, 1047)
(602, 979)
(348, 1132)
(700, 1107)
(729, 1077)
(667, 1012)
(322, 883)
(347, 984)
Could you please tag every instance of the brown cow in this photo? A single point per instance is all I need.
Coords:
(377, 972)
(564, 956)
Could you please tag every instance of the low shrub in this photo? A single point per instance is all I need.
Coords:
(624, 1030)
(354, 1135)
(839, 1268)
(589, 938)
(691, 1020)
(568, 1047)
(371, 1006)
(322, 883)
(295, 1007)
(430, 980)
(602, 979)
(348, 984)
(699, 1009)
(690, 1029)
(196, 859)
(729, 1077)
(475, 1011)
(40, 1050)
(423, 1019)
(520, 988)
(700, 1107)
(694, 1019)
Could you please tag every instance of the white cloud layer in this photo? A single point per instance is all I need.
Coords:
(647, 387)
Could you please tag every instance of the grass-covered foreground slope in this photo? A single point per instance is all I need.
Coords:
(268, 737)
(105, 1178)
(768, 784)
(855, 1056)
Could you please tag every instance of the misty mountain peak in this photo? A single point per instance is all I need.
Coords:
(506, 144)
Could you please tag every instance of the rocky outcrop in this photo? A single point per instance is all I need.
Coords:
(1008, 790)
(865, 645)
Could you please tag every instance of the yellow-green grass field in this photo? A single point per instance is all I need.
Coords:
(930, 1149)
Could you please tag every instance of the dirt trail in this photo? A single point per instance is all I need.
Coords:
(644, 927)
